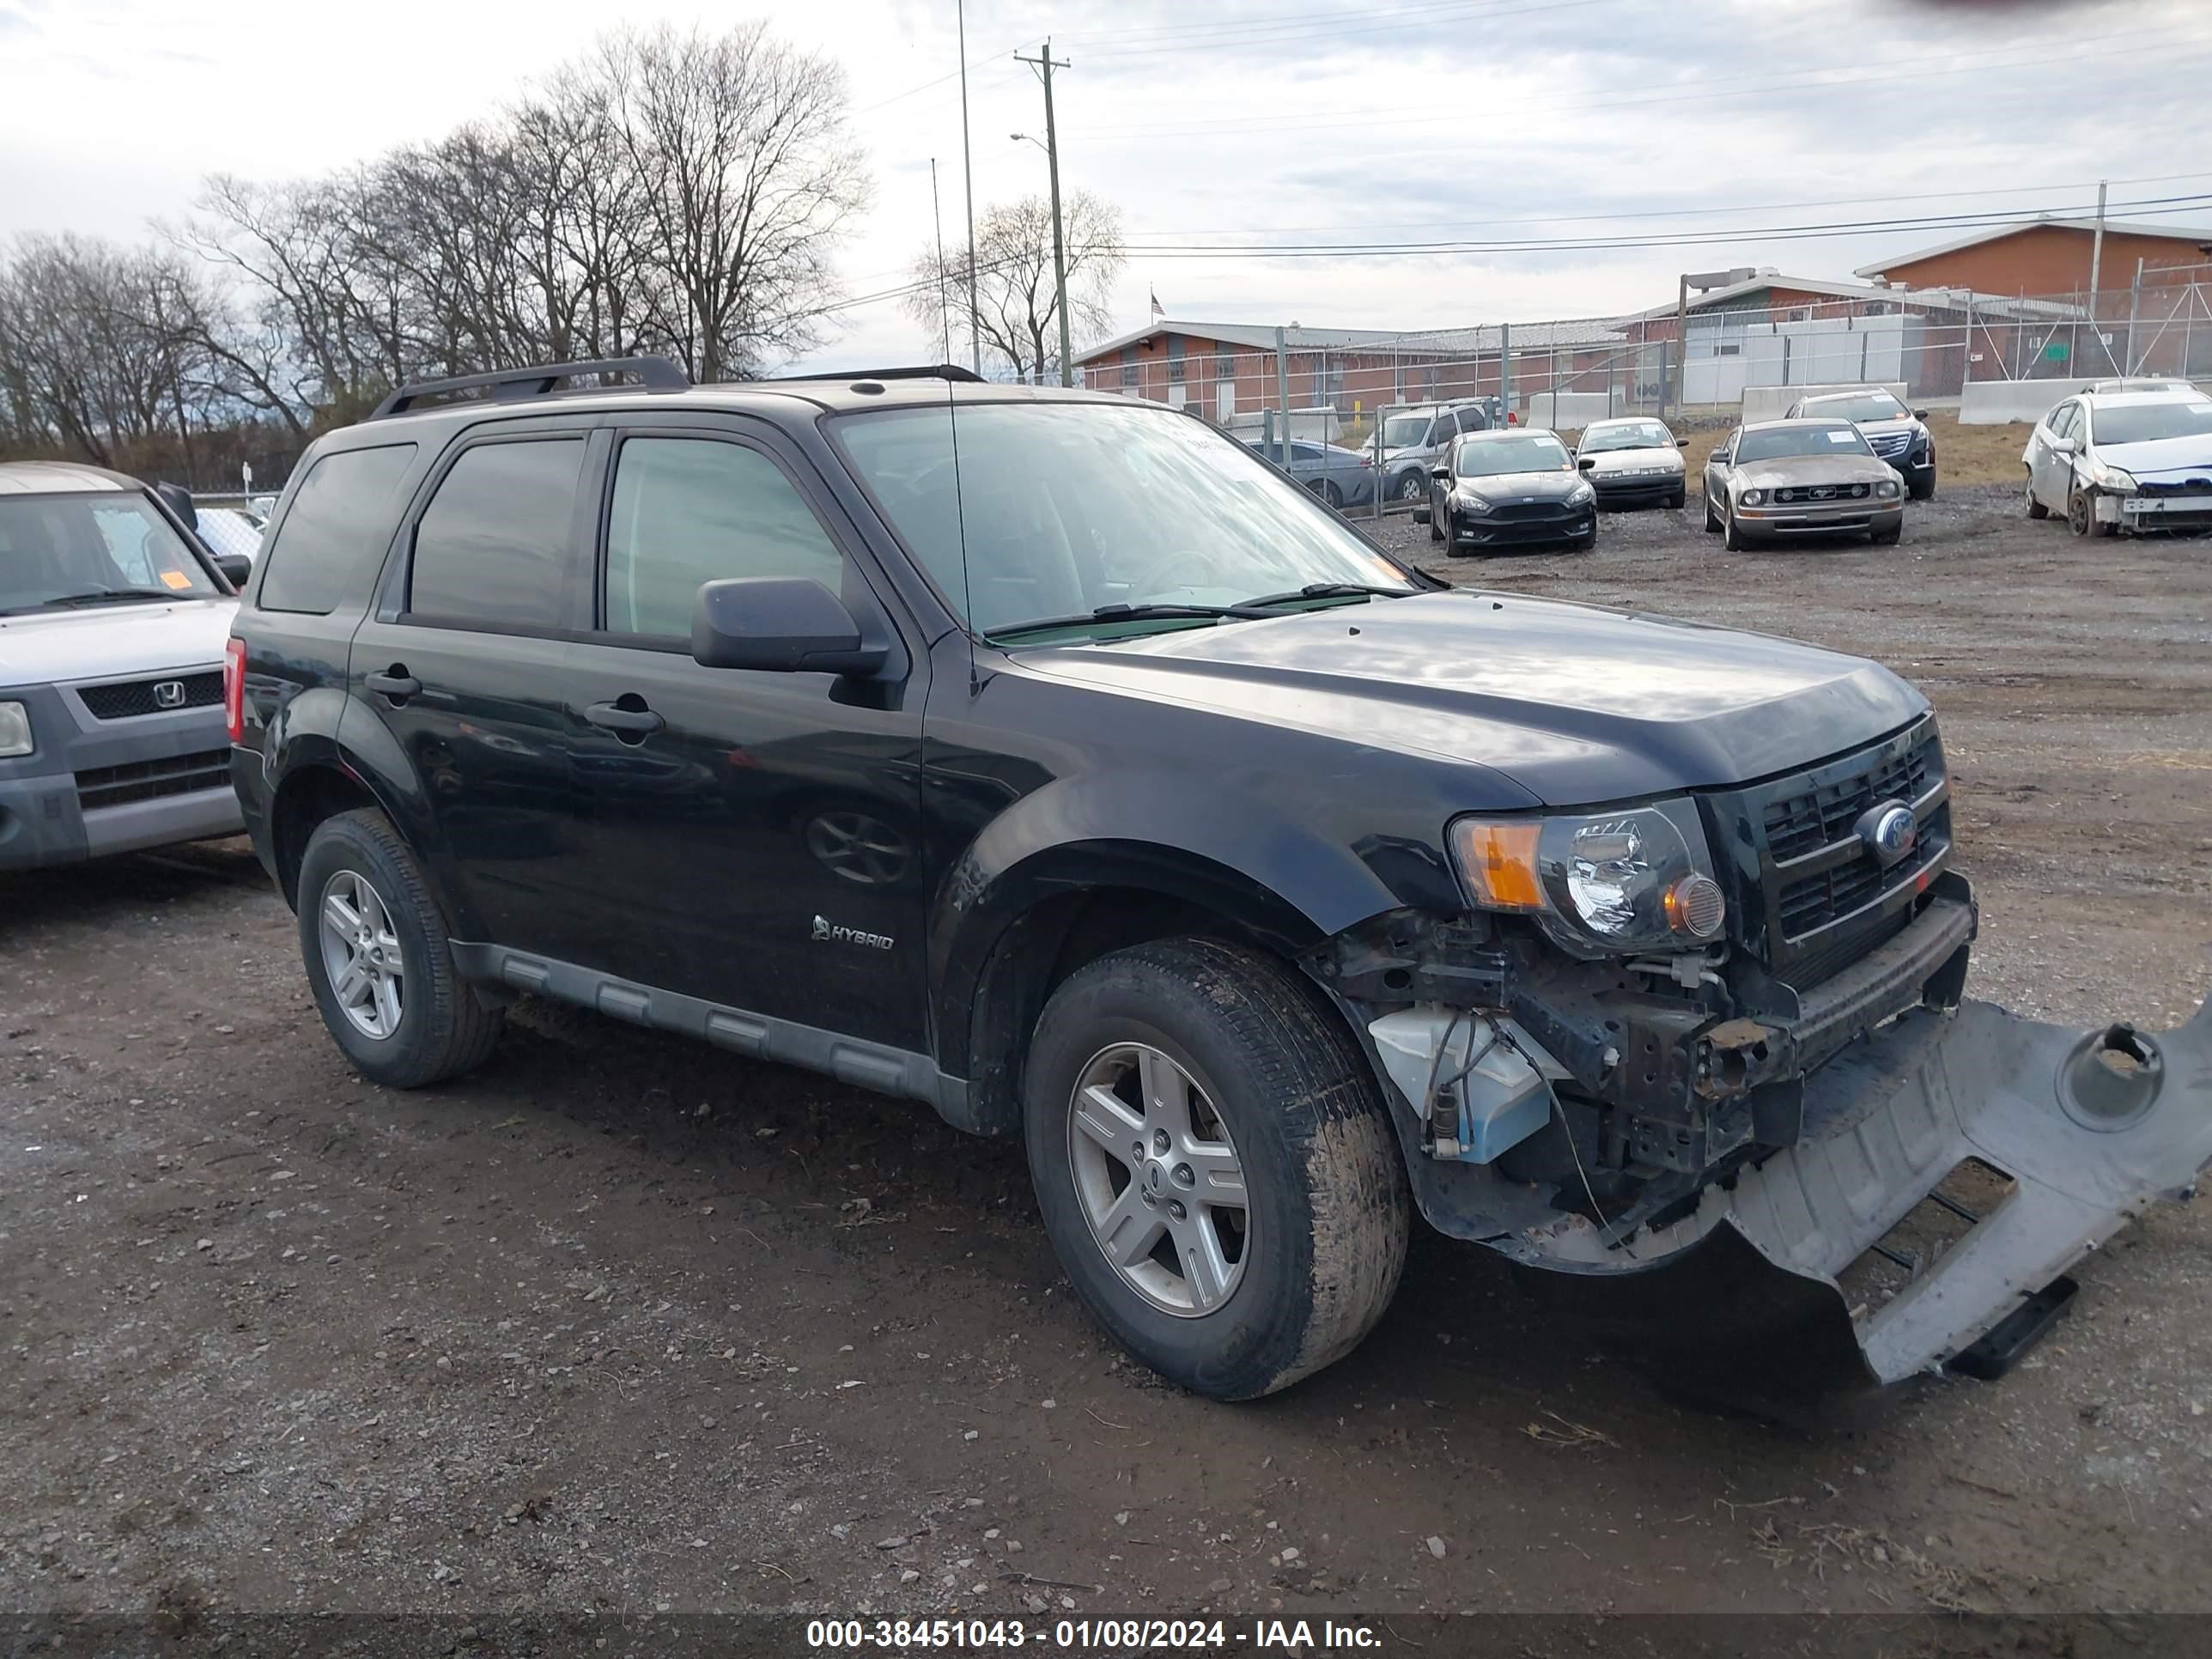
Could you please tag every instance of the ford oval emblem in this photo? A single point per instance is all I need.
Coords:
(1888, 830)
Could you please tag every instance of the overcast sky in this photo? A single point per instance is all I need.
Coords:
(1228, 122)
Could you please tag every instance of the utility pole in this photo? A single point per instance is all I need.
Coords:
(1674, 383)
(968, 166)
(1044, 65)
(2096, 272)
(937, 219)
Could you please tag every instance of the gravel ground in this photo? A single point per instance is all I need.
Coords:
(623, 1324)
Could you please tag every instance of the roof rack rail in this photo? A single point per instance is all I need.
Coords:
(516, 384)
(912, 372)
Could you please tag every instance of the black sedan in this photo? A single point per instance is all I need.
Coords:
(1509, 488)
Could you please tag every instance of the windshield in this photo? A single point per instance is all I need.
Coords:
(1635, 434)
(2142, 423)
(1534, 451)
(1066, 508)
(109, 547)
(1403, 431)
(1781, 442)
(1869, 406)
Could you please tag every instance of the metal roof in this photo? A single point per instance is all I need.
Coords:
(1436, 342)
(57, 478)
(1998, 233)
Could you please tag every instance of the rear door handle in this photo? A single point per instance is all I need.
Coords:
(615, 718)
(396, 683)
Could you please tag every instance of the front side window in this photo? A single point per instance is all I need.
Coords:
(1056, 509)
(493, 548)
(74, 551)
(690, 511)
(337, 518)
(1782, 442)
(1533, 452)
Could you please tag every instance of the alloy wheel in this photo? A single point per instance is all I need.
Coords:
(1158, 1180)
(361, 954)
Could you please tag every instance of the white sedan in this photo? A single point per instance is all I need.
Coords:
(2124, 460)
(1632, 462)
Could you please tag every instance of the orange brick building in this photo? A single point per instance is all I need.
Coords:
(2052, 256)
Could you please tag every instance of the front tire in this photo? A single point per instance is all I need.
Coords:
(1731, 537)
(2081, 516)
(379, 960)
(1679, 500)
(2036, 509)
(1712, 518)
(1195, 1076)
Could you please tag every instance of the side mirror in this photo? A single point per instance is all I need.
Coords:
(1919, 414)
(1442, 474)
(2062, 446)
(787, 624)
(1421, 514)
(1588, 463)
(236, 568)
(178, 500)
(1682, 443)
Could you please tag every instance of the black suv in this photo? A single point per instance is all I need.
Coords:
(1049, 758)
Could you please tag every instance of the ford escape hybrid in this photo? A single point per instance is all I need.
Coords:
(1049, 759)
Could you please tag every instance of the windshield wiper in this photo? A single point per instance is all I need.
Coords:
(1116, 613)
(1329, 590)
(102, 595)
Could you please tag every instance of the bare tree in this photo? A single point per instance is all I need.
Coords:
(1018, 300)
(747, 176)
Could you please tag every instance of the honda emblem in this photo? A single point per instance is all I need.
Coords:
(168, 694)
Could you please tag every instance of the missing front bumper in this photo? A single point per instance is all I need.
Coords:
(2076, 1132)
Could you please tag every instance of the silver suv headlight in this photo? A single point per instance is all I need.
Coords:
(14, 731)
(1638, 878)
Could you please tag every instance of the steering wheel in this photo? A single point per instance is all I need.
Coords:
(1172, 572)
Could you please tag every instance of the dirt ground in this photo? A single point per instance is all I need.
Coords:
(625, 1324)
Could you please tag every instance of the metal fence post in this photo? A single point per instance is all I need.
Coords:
(1283, 391)
(1505, 373)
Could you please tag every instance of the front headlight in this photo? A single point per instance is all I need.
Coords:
(14, 731)
(1753, 497)
(1604, 882)
(1887, 488)
(1582, 495)
(1472, 502)
(2113, 478)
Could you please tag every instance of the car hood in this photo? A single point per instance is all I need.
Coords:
(2168, 459)
(1574, 703)
(1521, 486)
(1812, 470)
(1621, 460)
(110, 640)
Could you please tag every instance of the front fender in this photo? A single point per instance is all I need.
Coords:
(1284, 884)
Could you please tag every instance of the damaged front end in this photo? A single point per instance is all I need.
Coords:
(1912, 1173)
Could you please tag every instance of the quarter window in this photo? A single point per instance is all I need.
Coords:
(492, 550)
(341, 515)
(690, 511)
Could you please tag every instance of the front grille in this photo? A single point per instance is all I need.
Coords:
(2187, 487)
(1804, 822)
(123, 699)
(1888, 445)
(1807, 897)
(179, 774)
(1824, 492)
(1520, 510)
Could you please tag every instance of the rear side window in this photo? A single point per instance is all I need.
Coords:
(690, 511)
(492, 549)
(340, 516)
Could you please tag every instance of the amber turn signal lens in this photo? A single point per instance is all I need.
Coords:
(1500, 863)
(1696, 905)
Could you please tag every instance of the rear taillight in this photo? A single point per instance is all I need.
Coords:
(233, 688)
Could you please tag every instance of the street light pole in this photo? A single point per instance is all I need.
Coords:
(1045, 65)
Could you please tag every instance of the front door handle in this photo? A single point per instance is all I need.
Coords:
(616, 717)
(395, 683)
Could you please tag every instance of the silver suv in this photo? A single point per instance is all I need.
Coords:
(113, 618)
(1416, 438)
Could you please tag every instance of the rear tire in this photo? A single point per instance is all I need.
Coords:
(1229, 1052)
(441, 1030)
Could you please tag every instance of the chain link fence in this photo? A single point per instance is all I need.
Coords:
(1363, 391)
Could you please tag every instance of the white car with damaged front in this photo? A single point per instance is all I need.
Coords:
(2110, 461)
